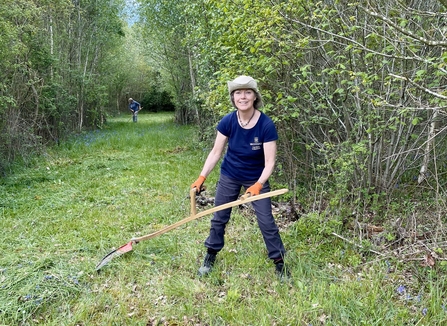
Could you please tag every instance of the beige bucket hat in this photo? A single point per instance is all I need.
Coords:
(245, 82)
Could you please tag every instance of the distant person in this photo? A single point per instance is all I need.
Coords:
(134, 107)
(248, 163)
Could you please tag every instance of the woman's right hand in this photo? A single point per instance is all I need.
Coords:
(198, 184)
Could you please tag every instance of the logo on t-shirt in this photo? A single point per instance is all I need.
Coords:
(255, 145)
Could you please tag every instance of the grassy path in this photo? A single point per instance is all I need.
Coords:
(60, 216)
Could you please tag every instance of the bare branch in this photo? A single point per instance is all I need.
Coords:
(403, 30)
(426, 90)
(352, 41)
(444, 3)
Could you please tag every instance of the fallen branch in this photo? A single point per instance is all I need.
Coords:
(356, 245)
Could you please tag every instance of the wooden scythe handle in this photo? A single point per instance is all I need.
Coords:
(193, 216)
(192, 194)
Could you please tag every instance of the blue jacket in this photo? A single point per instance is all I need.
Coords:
(134, 106)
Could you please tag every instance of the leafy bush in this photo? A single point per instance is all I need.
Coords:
(157, 101)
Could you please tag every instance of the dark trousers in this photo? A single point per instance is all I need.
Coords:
(228, 190)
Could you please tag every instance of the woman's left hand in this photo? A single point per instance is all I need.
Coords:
(255, 189)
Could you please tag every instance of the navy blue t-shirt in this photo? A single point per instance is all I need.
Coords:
(244, 159)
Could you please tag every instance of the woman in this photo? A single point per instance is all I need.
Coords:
(248, 162)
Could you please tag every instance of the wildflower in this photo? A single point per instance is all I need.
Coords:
(74, 280)
(424, 311)
(401, 289)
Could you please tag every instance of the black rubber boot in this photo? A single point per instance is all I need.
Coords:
(281, 270)
(207, 265)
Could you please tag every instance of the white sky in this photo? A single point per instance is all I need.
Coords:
(131, 11)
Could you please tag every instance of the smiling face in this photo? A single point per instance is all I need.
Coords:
(244, 99)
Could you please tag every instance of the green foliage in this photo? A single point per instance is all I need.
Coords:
(318, 226)
(157, 101)
(51, 67)
(333, 80)
(164, 35)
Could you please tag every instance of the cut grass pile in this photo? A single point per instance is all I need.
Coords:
(61, 215)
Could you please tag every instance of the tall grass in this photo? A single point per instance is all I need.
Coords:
(100, 189)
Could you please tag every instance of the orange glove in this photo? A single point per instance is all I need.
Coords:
(255, 189)
(198, 184)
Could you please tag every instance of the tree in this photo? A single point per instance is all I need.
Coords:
(52, 71)
(164, 23)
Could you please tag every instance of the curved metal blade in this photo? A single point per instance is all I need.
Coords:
(115, 253)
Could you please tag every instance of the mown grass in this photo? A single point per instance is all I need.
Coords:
(95, 192)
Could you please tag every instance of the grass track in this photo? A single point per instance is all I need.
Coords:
(98, 190)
